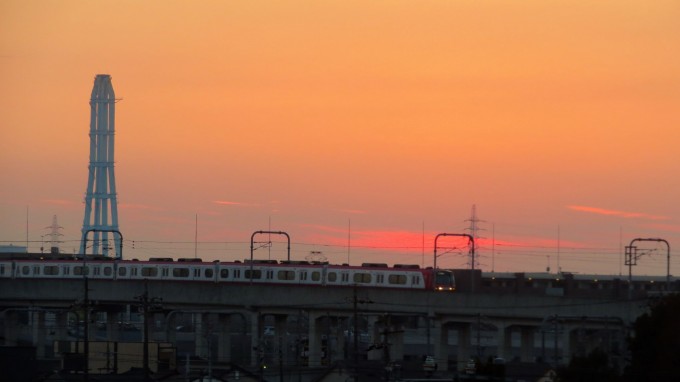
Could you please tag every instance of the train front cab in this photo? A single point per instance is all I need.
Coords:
(444, 280)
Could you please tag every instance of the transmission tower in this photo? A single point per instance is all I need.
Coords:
(473, 229)
(54, 235)
(101, 181)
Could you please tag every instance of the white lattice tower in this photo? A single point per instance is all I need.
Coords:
(101, 208)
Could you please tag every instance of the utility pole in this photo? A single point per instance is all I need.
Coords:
(86, 320)
(556, 333)
(147, 305)
(356, 336)
(356, 300)
(280, 358)
(479, 327)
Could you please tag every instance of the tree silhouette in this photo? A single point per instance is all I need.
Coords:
(593, 367)
(655, 343)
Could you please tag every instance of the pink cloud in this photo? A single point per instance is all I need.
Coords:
(623, 214)
(403, 241)
(230, 203)
(352, 212)
(664, 227)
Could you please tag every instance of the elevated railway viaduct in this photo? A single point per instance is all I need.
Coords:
(511, 316)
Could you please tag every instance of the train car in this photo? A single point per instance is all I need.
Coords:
(368, 275)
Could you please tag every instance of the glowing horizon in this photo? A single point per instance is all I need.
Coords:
(384, 120)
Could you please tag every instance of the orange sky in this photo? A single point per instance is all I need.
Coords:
(389, 119)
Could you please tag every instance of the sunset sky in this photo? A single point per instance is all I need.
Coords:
(377, 124)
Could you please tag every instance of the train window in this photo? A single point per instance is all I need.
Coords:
(2, 269)
(442, 278)
(237, 273)
(224, 273)
(362, 278)
(96, 271)
(415, 280)
(396, 279)
(180, 272)
(270, 274)
(345, 277)
(51, 270)
(332, 277)
(36, 270)
(286, 275)
(303, 275)
(316, 276)
(108, 271)
(149, 271)
(208, 273)
(80, 270)
(380, 279)
(255, 274)
(197, 272)
(25, 269)
(165, 272)
(133, 271)
(122, 271)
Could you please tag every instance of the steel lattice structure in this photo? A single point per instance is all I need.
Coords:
(101, 182)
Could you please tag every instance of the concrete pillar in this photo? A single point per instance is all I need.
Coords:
(435, 337)
(375, 335)
(338, 350)
(280, 344)
(12, 328)
(503, 343)
(61, 337)
(224, 338)
(112, 327)
(527, 344)
(314, 336)
(171, 328)
(61, 328)
(255, 333)
(200, 334)
(464, 352)
(440, 337)
(397, 344)
(565, 344)
(39, 333)
(157, 327)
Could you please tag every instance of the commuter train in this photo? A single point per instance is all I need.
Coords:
(373, 275)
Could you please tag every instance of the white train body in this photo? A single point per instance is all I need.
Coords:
(263, 272)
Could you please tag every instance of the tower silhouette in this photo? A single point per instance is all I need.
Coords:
(54, 236)
(101, 181)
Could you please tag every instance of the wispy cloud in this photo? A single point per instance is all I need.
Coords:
(230, 203)
(663, 227)
(622, 214)
(352, 211)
